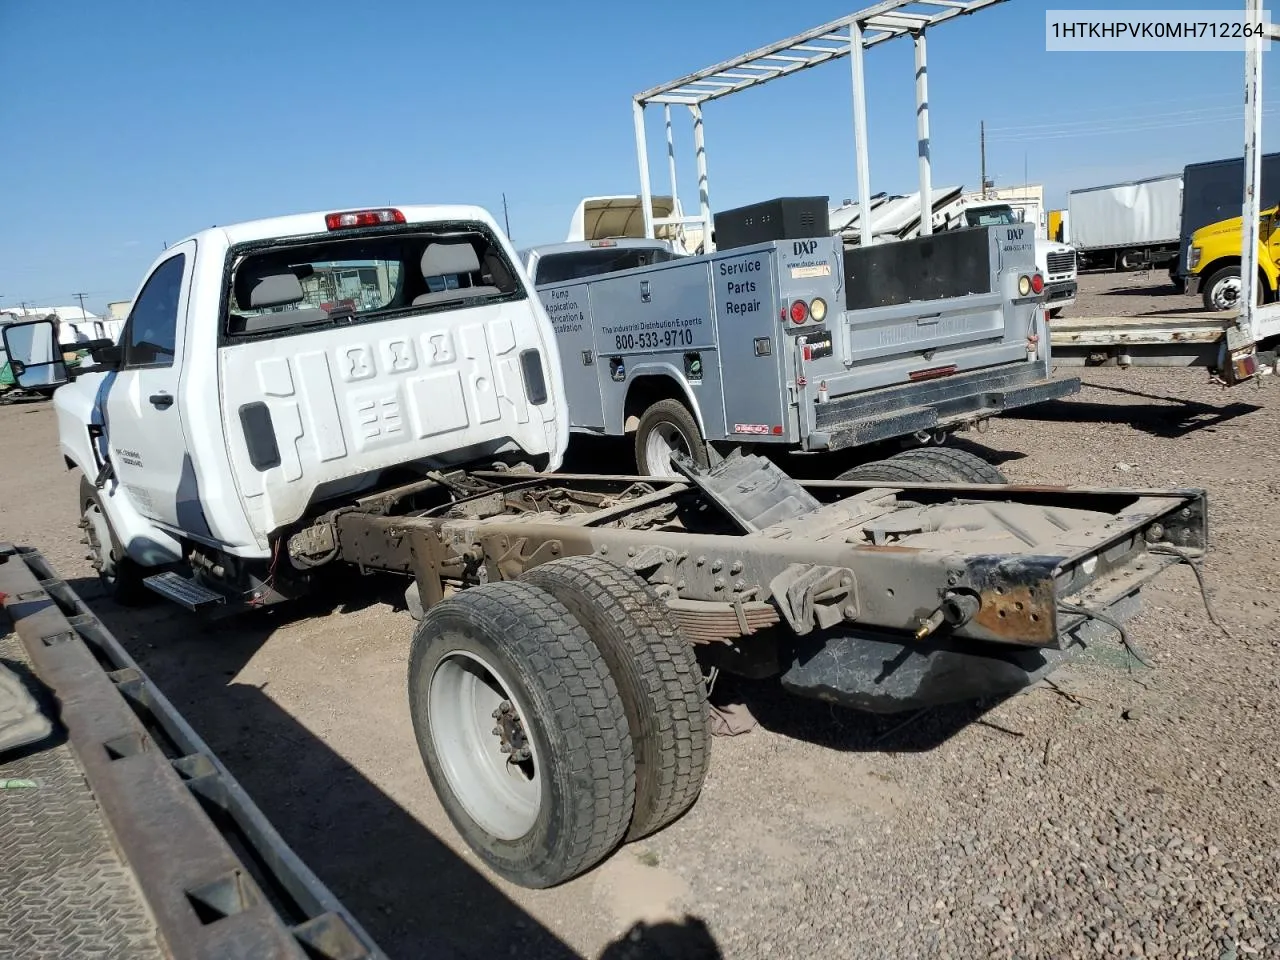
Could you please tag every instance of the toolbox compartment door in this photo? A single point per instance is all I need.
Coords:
(941, 301)
(569, 307)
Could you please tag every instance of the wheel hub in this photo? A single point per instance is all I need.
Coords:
(510, 733)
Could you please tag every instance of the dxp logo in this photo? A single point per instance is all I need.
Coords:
(802, 248)
(1015, 233)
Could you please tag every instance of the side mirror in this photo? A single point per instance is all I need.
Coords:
(106, 355)
(35, 358)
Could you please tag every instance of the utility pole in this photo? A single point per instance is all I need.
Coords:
(505, 219)
(80, 297)
(982, 146)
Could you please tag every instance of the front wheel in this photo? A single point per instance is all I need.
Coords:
(1224, 289)
(522, 731)
(120, 577)
(667, 428)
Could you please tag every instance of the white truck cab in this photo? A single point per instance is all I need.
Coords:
(273, 368)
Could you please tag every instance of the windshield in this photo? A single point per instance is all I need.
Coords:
(329, 280)
(990, 217)
(580, 264)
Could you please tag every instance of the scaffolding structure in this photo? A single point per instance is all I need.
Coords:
(848, 37)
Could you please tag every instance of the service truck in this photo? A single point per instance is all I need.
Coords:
(243, 445)
(784, 337)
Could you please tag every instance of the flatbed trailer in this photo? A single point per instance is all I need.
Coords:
(1192, 338)
(123, 834)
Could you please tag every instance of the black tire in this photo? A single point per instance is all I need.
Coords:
(1217, 277)
(673, 415)
(657, 675)
(571, 714)
(120, 577)
(926, 465)
(961, 465)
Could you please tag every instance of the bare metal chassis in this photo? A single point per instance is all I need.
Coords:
(744, 552)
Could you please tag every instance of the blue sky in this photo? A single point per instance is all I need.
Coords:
(131, 123)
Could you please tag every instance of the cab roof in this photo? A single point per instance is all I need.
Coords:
(312, 224)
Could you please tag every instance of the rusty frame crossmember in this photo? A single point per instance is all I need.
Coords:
(723, 586)
(169, 802)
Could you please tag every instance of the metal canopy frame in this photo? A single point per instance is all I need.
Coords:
(849, 37)
(1254, 323)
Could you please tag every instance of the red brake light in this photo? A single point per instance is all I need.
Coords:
(799, 312)
(362, 218)
(1037, 283)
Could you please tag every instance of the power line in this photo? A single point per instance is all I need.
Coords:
(1128, 128)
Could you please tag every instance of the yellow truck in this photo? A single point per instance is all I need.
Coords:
(1213, 261)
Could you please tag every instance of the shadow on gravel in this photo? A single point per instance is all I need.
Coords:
(837, 728)
(1171, 417)
(413, 894)
(617, 455)
(1158, 289)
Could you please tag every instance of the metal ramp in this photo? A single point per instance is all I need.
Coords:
(135, 840)
(184, 591)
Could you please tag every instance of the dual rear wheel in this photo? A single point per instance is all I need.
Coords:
(558, 716)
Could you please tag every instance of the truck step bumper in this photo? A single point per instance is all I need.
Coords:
(184, 592)
(880, 673)
(877, 415)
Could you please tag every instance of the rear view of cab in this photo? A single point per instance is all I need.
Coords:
(368, 340)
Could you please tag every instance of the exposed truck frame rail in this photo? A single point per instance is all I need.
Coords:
(168, 800)
(941, 574)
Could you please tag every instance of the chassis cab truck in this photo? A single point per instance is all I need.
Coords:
(786, 339)
(381, 391)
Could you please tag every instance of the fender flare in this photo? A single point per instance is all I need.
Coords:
(669, 371)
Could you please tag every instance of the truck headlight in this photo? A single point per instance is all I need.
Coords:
(1193, 258)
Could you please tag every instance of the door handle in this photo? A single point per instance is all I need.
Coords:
(161, 401)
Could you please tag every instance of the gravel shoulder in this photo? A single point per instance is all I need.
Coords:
(1130, 813)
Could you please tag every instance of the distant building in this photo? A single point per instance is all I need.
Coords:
(119, 309)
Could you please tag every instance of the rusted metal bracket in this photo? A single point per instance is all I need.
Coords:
(811, 596)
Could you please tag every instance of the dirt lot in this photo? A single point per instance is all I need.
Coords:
(1134, 813)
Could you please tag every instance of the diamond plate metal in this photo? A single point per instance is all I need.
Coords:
(64, 892)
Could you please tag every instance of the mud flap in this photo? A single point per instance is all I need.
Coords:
(883, 673)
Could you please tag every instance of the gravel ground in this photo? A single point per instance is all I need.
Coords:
(1130, 813)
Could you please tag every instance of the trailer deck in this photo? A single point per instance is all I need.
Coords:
(1192, 338)
(124, 835)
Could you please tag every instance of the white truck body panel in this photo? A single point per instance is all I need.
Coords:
(343, 402)
(1133, 214)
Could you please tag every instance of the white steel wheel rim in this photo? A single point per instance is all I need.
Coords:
(664, 440)
(502, 796)
(100, 536)
(1226, 293)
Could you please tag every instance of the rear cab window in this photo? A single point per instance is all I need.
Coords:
(278, 288)
(581, 264)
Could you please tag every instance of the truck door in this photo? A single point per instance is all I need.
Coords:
(146, 443)
(568, 307)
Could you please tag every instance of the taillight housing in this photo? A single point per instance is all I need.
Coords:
(799, 311)
(1024, 286)
(349, 219)
(818, 309)
(1037, 283)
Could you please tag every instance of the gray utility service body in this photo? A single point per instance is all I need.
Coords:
(917, 336)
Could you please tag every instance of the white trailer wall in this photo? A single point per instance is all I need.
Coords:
(1127, 214)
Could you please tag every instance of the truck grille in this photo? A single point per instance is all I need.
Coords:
(1062, 263)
